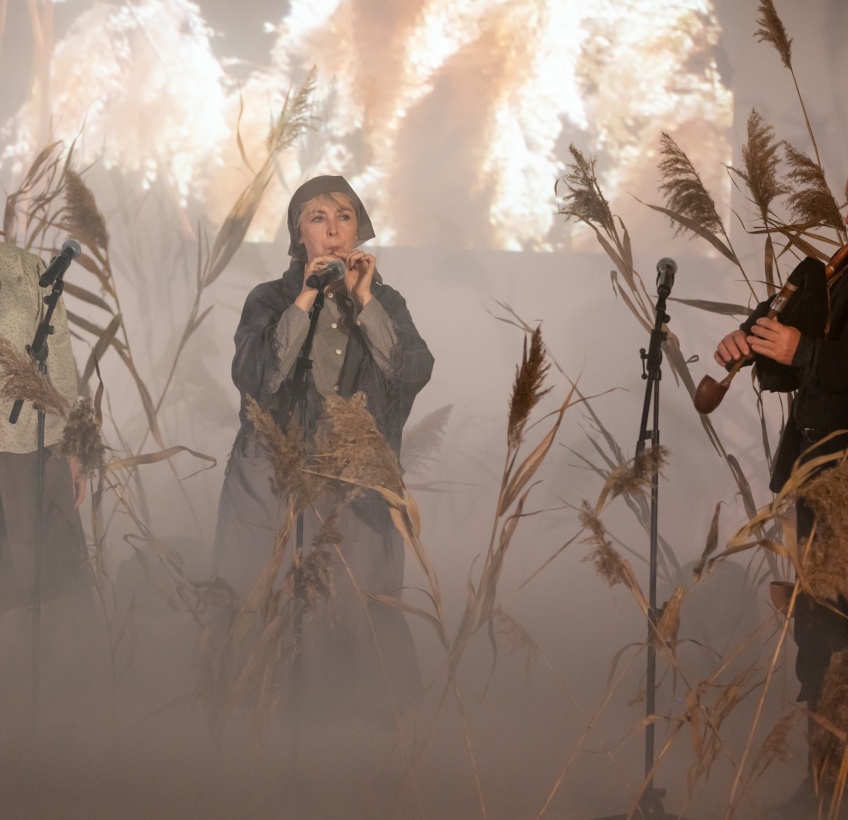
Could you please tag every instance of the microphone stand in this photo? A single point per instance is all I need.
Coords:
(298, 400)
(38, 352)
(650, 806)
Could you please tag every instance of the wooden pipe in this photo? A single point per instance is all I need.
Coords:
(709, 392)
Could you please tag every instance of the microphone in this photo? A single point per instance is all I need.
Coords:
(666, 268)
(333, 272)
(59, 264)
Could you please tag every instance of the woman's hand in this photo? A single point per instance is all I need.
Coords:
(306, 298)
(732, 348)
(772, 339)
(359, 276)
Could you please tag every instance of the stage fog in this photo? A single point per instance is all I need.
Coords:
(463, 126)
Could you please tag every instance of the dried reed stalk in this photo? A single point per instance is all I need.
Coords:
(585, 201)
(528, 388)
(773, 31)
(683, 189)
(761, 160)
(811, 200)
(82, 218)
(20, 379)
(81, 438)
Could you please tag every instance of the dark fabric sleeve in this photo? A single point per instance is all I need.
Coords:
(254, 361)
(826, 362)
(760, 311)
(411, 362)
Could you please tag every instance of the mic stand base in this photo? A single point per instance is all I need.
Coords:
(650, 808)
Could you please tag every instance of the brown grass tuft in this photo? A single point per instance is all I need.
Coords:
(605, 558)
(761, 159)
(684, 192)
(527, 390)
(634, 478)
(810, 200)
(81, 438)
(826, 567)
(826, 748)
(351, 447)
(776, 745)
(772, 31)
(585, 201)
(83, 219)
(286, 452)
(20, 379)
(310, 580)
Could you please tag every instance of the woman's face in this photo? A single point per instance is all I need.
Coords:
(328, 226)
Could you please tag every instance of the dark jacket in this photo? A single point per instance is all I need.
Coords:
(389, 397)
(820, 406)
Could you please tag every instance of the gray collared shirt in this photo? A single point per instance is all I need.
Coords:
(330, 343)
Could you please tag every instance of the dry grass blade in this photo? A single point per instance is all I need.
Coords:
(760, 157)
(527, 391)
(585, 201)
(811, 199)
(105, 339)
(20, 379)
(153, 458)
(81, 438)
(82, 218)
(683, 189)
(772, 31)
(711, 545)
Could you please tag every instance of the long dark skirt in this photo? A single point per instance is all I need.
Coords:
(63, 544)
(352, 647)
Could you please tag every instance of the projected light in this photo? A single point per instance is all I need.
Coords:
(454, 104)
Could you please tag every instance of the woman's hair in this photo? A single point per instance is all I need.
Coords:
(324, 187)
